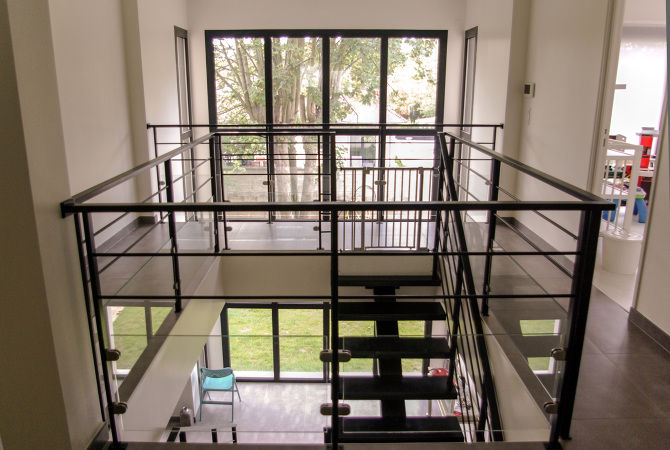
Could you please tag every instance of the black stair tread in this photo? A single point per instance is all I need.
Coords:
(396, 347)
(412, 429)
(387, 280)
(406, 388)
(391, 311)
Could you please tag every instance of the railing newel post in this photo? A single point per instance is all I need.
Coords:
(174, 247)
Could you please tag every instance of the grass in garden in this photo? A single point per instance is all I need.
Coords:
(300, 340)
(130, 332)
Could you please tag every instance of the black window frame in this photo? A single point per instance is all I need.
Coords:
(325, 35)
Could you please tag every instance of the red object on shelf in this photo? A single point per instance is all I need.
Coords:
(646, 141)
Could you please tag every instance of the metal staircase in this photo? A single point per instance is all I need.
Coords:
(389, 384)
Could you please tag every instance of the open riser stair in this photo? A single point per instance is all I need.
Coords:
(389, 385)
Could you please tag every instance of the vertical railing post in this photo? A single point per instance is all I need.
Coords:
(158, 172)
(488, 385)
(420, 213)
(333, 169)
(363, 181)
(90, 316)
(319, 197)
(438, 214)
(587, 245)
(327, 172)
(491, 218)
(172, 228)
(220, 190)
(213, 184)
(334, 325)
(97, 307)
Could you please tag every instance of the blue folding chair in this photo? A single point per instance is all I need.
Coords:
(218, 380)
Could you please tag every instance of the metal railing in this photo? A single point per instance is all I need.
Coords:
(191, 186)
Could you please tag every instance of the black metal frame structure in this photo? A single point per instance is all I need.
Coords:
(465, 305)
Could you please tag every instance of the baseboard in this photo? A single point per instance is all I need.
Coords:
(650, 328)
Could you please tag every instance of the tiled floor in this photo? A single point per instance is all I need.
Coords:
(280, 413)
(623, 398)
(623, 394)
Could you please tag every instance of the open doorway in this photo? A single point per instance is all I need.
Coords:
(625, 171)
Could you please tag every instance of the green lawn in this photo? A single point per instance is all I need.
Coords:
(300, 340)
(250, 330)
(130, 332)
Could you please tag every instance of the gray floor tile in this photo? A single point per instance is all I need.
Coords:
(614, 434)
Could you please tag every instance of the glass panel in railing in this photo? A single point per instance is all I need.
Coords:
(195, 236)
(530, 275)
(198, 385)
(410, 151)
(245, 170)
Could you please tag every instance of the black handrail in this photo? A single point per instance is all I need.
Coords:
(588, 204)
(561, 185)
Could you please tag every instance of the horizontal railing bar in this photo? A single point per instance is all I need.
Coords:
(327, 253)
(330, 125)
(70, 208)
(528, 170)
(328, 297)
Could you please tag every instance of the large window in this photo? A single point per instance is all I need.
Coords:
(319, 77)
(282, 342)
(328, 76)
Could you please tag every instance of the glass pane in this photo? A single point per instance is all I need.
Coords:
(296, 172)
(250, 332)
(296, 80)
(411, 328)
(354, 80)
(356, 329)
(129, 333)
(245, 169)
(239, 78)
(412, 85)
(300, 342)
(158, 315)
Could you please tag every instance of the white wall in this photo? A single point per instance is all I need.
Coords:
(564, 58)
(493, 18)
(344, 14)
(652, 300)
(48, 388)
(157, 19)
(91, 71)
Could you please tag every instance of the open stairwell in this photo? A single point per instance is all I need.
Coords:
(389, 385)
